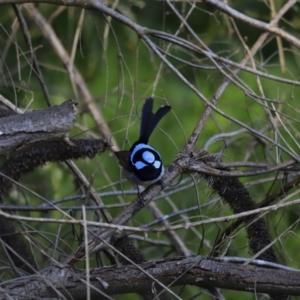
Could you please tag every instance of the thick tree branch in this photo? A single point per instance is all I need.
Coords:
(20, 130)
(198, 271)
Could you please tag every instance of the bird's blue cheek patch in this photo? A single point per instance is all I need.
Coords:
(140, 165)
(157, 164)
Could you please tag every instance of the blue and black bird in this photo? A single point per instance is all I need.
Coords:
(142, 164)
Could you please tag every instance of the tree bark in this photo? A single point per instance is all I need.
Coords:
(194, 270)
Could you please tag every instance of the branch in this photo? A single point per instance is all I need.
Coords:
(267, 27)
(19, 130)
(198, 271)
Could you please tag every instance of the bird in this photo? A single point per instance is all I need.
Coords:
(142, 164)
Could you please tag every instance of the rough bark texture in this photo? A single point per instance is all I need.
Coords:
(56, 151)
(198, 271)
(239, 200)
(18, 130)
(126, 247)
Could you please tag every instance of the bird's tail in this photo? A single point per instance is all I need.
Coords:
(149, 120)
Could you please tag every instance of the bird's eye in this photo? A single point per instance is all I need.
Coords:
(148, 157)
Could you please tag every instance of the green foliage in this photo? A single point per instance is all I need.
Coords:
(120, 71)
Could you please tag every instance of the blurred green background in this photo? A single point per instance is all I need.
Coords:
(120, 71)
